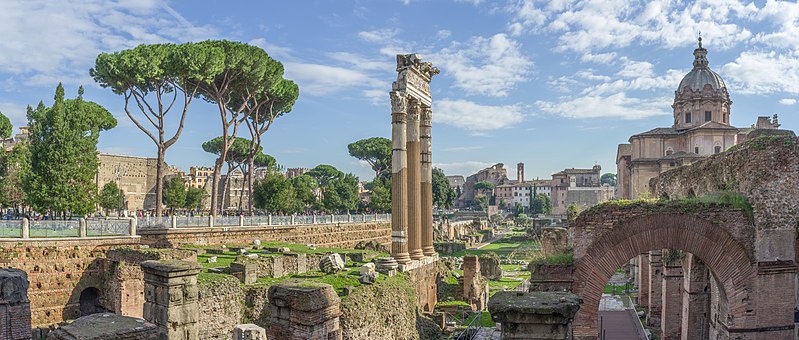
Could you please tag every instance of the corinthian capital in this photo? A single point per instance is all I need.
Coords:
(414, 109)
(427, 115)
(399, 103)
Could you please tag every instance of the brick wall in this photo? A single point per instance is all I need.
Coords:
(344, 235)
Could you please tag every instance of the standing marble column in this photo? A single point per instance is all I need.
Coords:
(414, 183)
(426, 145)
(399, 179)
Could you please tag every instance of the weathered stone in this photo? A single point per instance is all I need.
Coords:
(212, 259)
(249, 332)
(246, 272)
(490, 267)
(554, 240)
(551, 277)
(367, 268)
(171, 296)
(368, 278)
(304, 310)
(534, 315)
(331, 263)
(15, 311)
(252, 256)
(475, 287)
(256, 243)
(106, 326)
(385, 264)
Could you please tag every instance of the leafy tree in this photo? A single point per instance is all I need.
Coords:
(304, 197)
(380, 199)
(522, 220)
(542, 204)
(572, 211)
(482, 202)
(63, 146)
(15, 165)
(324, 173)
(483, 185)
(194, 198)
(110, 196)
(5, 126)
(341, 194)
(153, 78)
(376, 151)
(443, 195)
(242, 74)
(274, 193)
(175, 193)
(608, 178)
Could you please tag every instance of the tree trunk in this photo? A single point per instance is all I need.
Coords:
(225, 185)
(159, 181)
(241, 192)
(250, 176)
(215, 187)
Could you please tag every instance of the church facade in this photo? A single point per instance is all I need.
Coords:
(701, 128)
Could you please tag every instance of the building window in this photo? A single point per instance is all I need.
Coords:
(724, 117)
(687, 117)
(708, 116)
(717, 149)
(696, 150)
(669, 152)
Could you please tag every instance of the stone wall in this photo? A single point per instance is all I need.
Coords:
(135, 176)
(384, 311)
(220, 308)
(344, 235)
(59, 271)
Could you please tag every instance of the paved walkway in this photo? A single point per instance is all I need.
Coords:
(618, 322)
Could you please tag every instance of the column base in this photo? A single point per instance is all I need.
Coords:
(402, 258)
(429, 251)
(416, 254)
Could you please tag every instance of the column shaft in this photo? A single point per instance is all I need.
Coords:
(414, 184)
(399, 179)
(426, 135)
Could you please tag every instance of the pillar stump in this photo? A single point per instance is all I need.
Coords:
(303, 310)
(671, 311)
(171, 298)
(15, 308)
(534, 315)
(655, 288)
(696, 299)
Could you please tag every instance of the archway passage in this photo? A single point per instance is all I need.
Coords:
(90, 302)
(608, 236)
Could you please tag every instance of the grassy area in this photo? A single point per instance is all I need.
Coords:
(515, 245)
(566, 258)
(502, 284)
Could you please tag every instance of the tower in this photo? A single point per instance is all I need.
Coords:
(520, 172)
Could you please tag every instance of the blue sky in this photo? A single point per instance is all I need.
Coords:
(553, 84)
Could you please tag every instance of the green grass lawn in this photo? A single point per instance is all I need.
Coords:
(511, 245)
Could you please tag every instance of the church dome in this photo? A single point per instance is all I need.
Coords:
(701, 74)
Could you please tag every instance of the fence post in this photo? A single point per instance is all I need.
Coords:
(26, 228)
(314, 219)
(269, 219)
(292, 218)
(349, 218)
(210, 221)
(132, 225)
(332, 218)
(82, 227)
(363, 217)
(173, 221)
(241, 220)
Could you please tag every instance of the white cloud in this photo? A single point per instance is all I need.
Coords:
(273, 50)
(443, 34)
(318, 80)
(16, 113)
(613, 106)
(787, 101)
(464, 169)
(602, 58)
(378, 36)
(488, 66)
(475, 117)
(49, 41)
(362, 63)
(763, 73)
(387, 38)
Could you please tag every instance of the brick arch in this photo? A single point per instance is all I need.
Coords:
(596, 260)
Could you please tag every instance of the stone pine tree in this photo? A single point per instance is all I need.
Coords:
(244, 72)
(273, 101)
(63, 146)
(236, 156)
(158, 82)
(376, 151)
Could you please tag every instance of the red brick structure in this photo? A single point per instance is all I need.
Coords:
(642, 276)
(655, 279)
(696, 302)
(671, 295)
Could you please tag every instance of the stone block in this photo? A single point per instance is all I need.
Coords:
(534, 315)
(331, 263)
(246, 272)
(249, 332)
(304, 310)
(490, 266)
(14, 305)
(106, 326)
(301, 261)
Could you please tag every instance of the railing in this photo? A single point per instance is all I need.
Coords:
(78, 228)
(258, 220)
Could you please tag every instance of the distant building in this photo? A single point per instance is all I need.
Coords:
(496, 174)
(456, 182)
(199, 176)
(295, 172)
(580, 187)
(701, 128)
(22, 136)
(136, 176)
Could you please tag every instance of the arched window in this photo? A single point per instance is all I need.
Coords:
(716, 149)
(696, 150)
(669, 151)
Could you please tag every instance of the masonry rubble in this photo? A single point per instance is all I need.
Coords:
(534, 315)
(106, 326)
(249, 332)
(331, 263)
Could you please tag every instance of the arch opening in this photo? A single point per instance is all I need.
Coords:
(90, 302)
